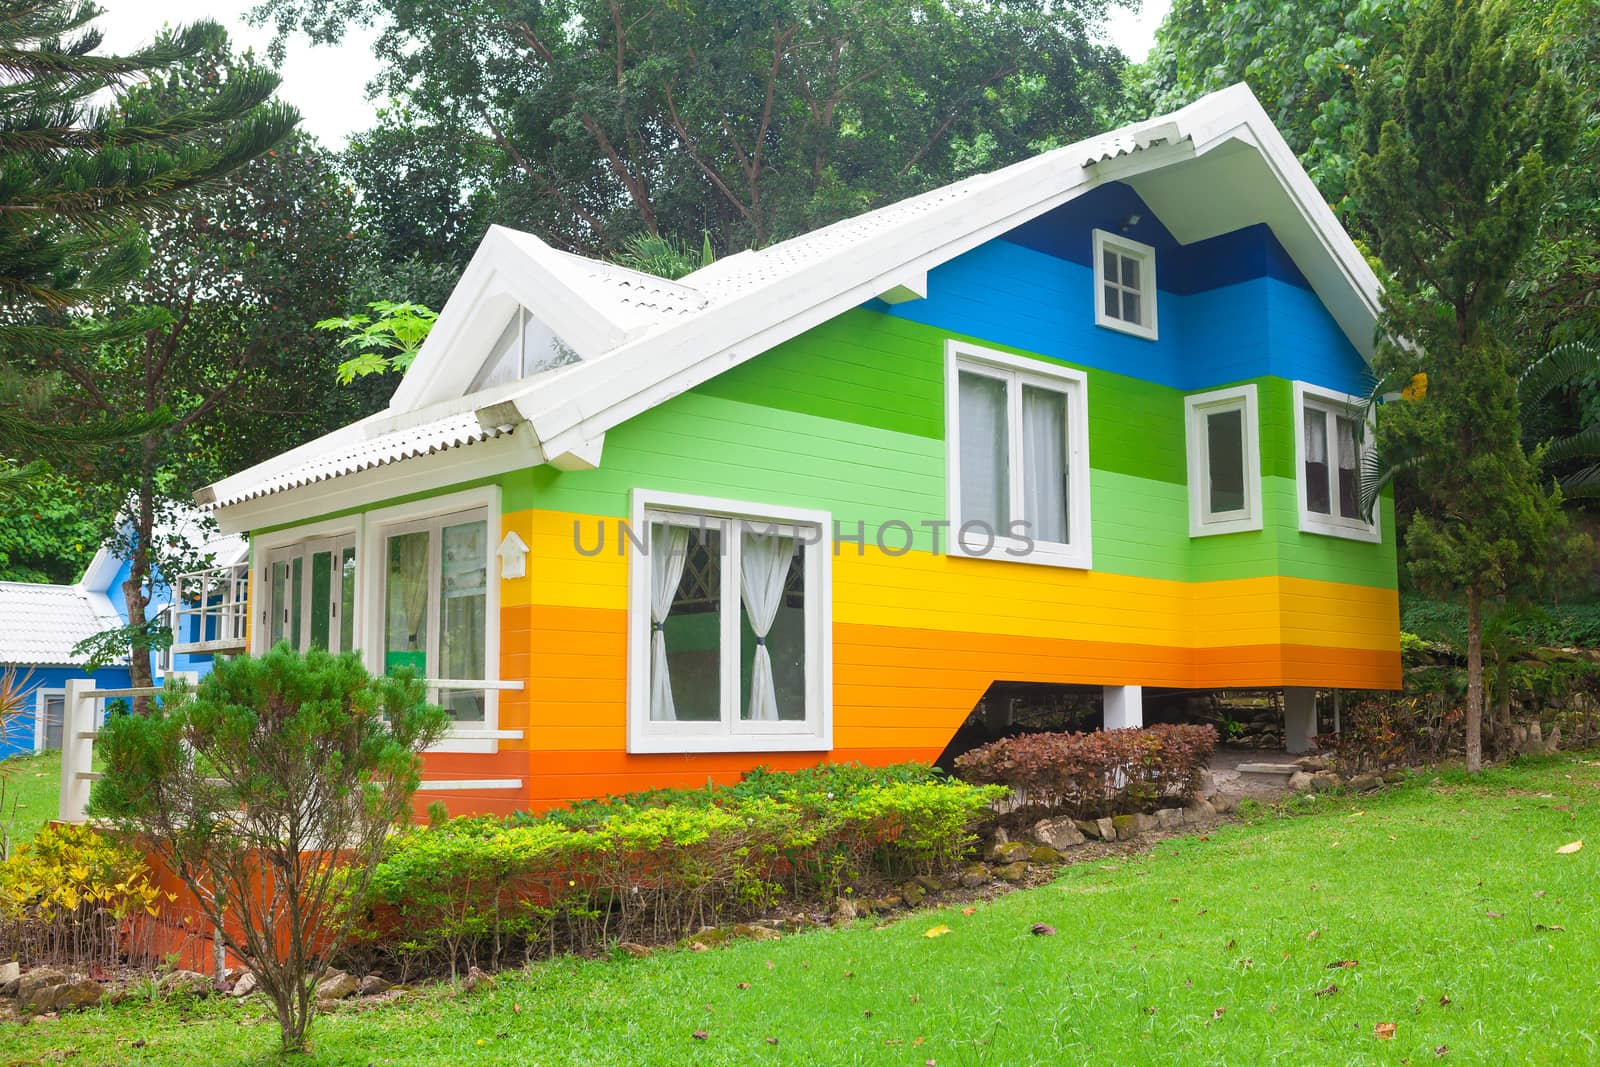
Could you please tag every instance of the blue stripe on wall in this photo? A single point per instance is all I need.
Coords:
(1031, 300)
(1230, 258)
(19, 734)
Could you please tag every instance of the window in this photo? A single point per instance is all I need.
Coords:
(1329, 440)
(311, 594)
(1124, 285)
(1016, 433)
(729, 640)
(435, 605)
(1224, 461)
(524, 348)
(165, 620)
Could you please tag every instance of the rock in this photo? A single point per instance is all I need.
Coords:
(325, 1005)
(336, 985)
(711, 935)
(1553, 742)
(1169, 818)
(1208, 785)
(1013, 872)
(1533, 743)
(886, 903)
(1042, 930)
(1300, 782)
(1325, 781)
(974, 876)
(1223, 803)
(1199, 811)
(1394, 776)
(244, 986)
(1312, 763)
(1043, 856)
(1129, 827)
(476, 978)
(1089, 828)
(633, 948)
(913, 892)
(10, 977)
(186, 984)
(1010, 852)
(1363, 782)
(755, 932)
(373, 984)
(844, 909)
(46, 989)
(928, 882)
(1059, 834)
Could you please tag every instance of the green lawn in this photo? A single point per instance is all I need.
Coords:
(1461, 925)
(30, 790)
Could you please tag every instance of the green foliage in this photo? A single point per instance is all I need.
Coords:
(1567, 626)
(652, 865)
(65, 895)
(605, 120)
(49, 535)
(386, 343)
(1452, 178)
(1388, 730)
(665, 257)
(269, 790)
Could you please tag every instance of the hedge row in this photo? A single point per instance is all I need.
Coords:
(657, 866)
(1087, 775)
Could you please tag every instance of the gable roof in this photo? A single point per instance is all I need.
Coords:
(187, 523)
(642, 340)
(39, 623)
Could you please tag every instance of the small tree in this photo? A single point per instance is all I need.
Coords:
(269, 790)
(1452, 179)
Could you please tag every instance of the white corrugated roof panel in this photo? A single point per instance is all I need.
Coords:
(39, 624)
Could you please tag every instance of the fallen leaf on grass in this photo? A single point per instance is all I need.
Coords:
(1495, 914)
(772, 1041)
(1557, 927)
(700, 1035)
(937, 931)
(698, 946)
(1043, 930)
(969, 911)
(744, 985)
(1444, 1000)
(516, 1009)
(1336, 964)
(1313, 935)
(1328, 990)
(1441, 1050)
(1569, 848)
(1217, 1013)
(1385, 1031)
(849, 974)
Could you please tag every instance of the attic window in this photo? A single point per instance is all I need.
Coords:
(524, 348)
(1124, 285)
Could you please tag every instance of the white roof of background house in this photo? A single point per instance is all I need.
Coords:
(1215, 166)
(188, 523)
(40, 623)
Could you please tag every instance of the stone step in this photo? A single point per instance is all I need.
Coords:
(1276, 773)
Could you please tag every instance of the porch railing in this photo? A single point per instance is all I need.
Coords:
(84, 712)
(210, 609)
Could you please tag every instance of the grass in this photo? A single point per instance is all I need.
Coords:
(1462, 925)
(30, 789)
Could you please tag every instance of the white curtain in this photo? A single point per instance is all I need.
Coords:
(985, 481)
(763, 571)
(1347, 444)
(1316, 436)
(1044, 464)
(668, 551)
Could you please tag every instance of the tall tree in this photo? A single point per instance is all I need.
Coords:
(1453, 176)
(226, 306)
(76, 181)
(750, 121)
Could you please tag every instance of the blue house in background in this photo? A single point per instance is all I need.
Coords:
(41, 624)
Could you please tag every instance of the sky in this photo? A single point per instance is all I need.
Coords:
(328, 84)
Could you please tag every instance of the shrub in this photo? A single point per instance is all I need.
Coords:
(657, 865)
(1386, 730)
(1088, 775)
(270, 791)
(66, 897)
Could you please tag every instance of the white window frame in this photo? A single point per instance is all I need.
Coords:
(1196, 408)
(729, 734)
(265, 546)
(305, 548)
(1145, 255)
(370, 573)
(1019, 371)
(1332, 403)
(41, 697)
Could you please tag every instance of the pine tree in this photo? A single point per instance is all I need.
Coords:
(79, 176)
(1452, 178)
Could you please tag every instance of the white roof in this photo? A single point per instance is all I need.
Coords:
(1213, 167)
(189, 524)
(39, 623)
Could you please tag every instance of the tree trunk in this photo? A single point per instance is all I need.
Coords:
(1474, 725)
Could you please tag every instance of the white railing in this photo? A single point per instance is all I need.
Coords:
(214, 606)
(84, 711)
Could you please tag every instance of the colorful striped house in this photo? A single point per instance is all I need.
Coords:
(1089, 420)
